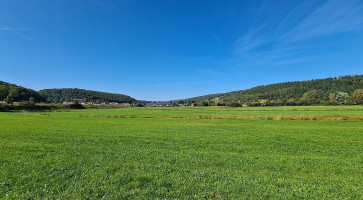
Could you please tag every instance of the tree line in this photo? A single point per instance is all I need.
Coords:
(69, 94)
(329, 91)
(13, 93)
(346, 90)
(27, 98)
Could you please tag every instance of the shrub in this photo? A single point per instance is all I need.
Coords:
(340, 97)
(349, 100)
(358, 96)
(138, 105)
(204, 103)
(311, 97)
(234, 104)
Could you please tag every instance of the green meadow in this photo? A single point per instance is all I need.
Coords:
(311, 152)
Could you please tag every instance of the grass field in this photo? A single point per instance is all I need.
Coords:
(183, 153)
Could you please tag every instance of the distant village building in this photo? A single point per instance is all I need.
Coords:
(81, 101)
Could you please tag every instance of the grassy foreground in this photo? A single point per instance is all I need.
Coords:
(183, 153)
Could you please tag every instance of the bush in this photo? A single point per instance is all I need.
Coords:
(204, 103)
(234, 104)
(291, 102)
(349, 100)
(218, 102)
(138, 105)
(330, 103)
(340, 97)
(255, 104)
(358, 96)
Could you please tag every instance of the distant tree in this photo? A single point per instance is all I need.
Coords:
(205, 103)
(138, 104)
(218, 102)
(4, 91)
(32, 101)
(234, 104)
(330, 100)
(262, 102)
(28, 105)
(9, 100)
(312, 97)
(349, 100)
(358, 96)
(340, 97)
(255, 104)
(332, 97)
(291, 102)
(14, 92)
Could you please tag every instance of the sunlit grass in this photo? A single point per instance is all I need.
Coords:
(174, 153)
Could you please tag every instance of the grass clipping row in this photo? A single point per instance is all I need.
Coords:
(277, 118)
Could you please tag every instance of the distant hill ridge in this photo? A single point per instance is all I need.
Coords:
(325, 89)
(69, 94)
(288, 90)
(18, 93)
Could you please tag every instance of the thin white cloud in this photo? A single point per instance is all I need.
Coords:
(333, 17)
(216, 38)
(275, 40)
(16, 31)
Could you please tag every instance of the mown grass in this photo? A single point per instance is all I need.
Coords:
(171, 153)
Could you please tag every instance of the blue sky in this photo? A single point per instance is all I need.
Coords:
(163, 50)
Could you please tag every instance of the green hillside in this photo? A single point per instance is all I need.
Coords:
(18, 93)
(68, 94)
(289, 90)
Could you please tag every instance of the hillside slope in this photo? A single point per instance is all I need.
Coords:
(288, 90)
(68, 94)
(18, 93)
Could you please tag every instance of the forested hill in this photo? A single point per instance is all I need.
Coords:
(289, 90)
(69, 94)
(12, 92)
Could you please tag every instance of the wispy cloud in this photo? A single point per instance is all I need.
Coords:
(216, 38)
(333, 17)
(16, 31)
(275, 39)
